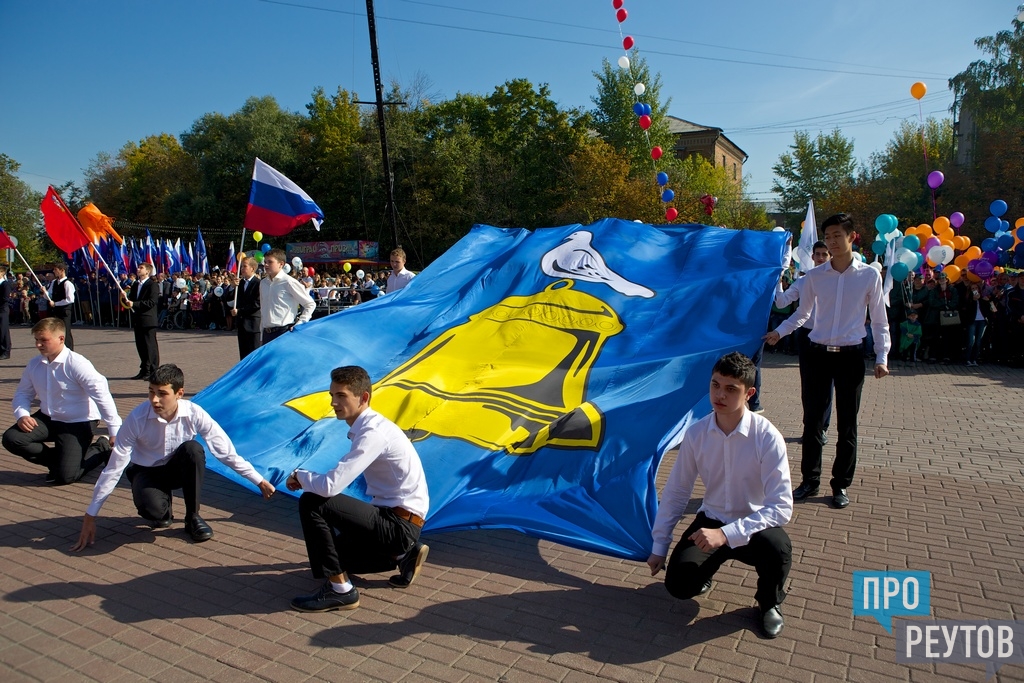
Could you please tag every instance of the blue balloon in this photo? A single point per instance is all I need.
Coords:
(638, 108)
(899, 271)
(989, 244)
(1020, 233)
(992, 224)
(912, 242)
(1018, 258)
(1004, 226)
(1005, 241)
(920, 260)
(667, 196)
(878, 247)
(265, 248)
(647, 109)
(998, 207)
(662, 178)
(1004, 258)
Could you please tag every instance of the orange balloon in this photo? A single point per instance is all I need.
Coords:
(941, 224)
(974, 252)
(924, 230)
(1019, 223)
(966, 241)
(971, 277)
(802, 224)
(947, 243)
(946, 235)
(918, 90)
(962, 260)
(929, 261)
(952, 272)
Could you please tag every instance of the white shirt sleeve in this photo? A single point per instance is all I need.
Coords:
(778, 493)
(95, 386)
(879, 321)
(120, 457)
(24, 394)
(303, 299)
(220, 445)
(803, 311)
(675, 497)
(365, 449)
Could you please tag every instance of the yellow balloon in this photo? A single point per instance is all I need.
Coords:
(258, 236)
(347, 267)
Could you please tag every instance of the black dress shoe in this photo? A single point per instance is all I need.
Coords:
(198, 529)
(804, 490)
(161, 523)
(409, 566)
(706, 588)
(141, 375)
(326, 600)
(839, 498)
(771, 622)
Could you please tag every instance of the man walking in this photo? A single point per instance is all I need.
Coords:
(838, 294)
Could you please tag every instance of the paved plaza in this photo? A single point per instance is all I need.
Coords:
(939, 488)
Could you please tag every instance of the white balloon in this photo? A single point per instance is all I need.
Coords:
(778, 228)
(877, 265)
(219, 291)
(287, 269)
(624, 62)
(360, 274)
(14, 241)
(639, 89)
(297, 262)
(906, 257)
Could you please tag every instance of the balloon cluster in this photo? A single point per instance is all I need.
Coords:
(996, 250)
(643, 110)
(935, 245)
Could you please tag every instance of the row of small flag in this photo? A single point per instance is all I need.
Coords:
(165, 255)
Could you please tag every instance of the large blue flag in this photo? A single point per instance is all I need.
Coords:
(541, 375)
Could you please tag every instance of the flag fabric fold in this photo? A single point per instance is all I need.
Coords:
(276, 204)
(232, 264)
(808, 236)
(96, 224)
(541, 374)
(5, 240)
(61, 225)
(202, 264)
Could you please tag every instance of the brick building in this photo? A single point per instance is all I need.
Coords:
(709, 142)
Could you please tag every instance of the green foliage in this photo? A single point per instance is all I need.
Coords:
(993, 89)
(818, 169)
(613, 117)
(19, 214)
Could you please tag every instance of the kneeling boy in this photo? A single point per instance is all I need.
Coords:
(371, 537)
(741, 458)
(156, 446)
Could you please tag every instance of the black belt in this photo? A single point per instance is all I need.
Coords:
(278, 328)
(832, 349)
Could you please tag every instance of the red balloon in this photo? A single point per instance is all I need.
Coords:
(621, 15)
(671, 213)
(656, 153)
(312, 272)
(627, 43)
(616, 4)
(645, 121)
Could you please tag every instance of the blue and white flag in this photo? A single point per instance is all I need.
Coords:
(541, 374)
(202, 264)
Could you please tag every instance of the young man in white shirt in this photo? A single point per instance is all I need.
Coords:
(345, 535)
(157, 446)
(62, 297)
(838, 294)
(400, 277)
(72, 398)
(741, 459)
(280, 296)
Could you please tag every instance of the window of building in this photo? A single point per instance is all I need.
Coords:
(734, 171)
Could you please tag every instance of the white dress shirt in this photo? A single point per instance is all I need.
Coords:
(838, 302)
(148, 440)
(383, 454)
(65, 290)
(746, 480)
(784, 297)
(399, 280)
(69, 390)
(280, 297)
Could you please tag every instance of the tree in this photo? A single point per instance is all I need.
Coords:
(19, 214)
(614, 119)
(816, 169)
(993, 90)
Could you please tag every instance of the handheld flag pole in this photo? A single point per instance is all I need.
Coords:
(238, 266)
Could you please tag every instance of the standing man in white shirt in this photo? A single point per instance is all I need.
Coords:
(62, 294)
(400, 277)
(371, 537)
(280, 296)
(741, 459)
(837, 294)
(157, 447)
(72, 398)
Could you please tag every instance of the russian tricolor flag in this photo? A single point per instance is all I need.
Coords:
(277, 205)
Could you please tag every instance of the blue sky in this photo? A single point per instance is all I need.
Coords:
(78, 78)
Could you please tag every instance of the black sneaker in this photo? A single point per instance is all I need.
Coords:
(326, 600)
(198, 529)
(409, 566)
(706, 588)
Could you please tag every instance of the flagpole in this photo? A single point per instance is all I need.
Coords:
(33, 274)
(79, 226)
(238, 265)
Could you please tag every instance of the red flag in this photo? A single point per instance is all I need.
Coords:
(61, 225)
(5, 240)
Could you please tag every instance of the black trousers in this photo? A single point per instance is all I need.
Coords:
(247, 342)
(348, 535)
(64, 313)
(272, 333)
(70, 456)
(5, 331)
(152, 486)
(803, 345)
(149, 352)
(845, 371)
(769, 552)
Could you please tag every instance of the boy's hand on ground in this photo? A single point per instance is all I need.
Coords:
(656, 563)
